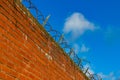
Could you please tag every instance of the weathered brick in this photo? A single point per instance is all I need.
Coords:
(9, 71)
(27, 52)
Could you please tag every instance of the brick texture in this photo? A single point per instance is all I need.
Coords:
(27, 52)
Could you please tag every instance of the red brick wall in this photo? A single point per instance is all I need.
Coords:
(27, 52)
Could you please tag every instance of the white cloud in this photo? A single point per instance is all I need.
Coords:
(110, 76)
(84, 48)
(81, 48)
(77, 25)
(76, 48)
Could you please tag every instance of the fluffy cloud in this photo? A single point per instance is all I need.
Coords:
(84, 49)
(81, 49)
(76, 47)
(110, 76)
(77, 25)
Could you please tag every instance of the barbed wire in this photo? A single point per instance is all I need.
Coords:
(60, 39)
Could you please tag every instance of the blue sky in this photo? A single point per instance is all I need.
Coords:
(93, 29)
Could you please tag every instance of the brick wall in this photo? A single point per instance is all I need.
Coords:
(27, 52)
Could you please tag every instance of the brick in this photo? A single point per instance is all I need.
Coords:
(9, 71)
(2, 60)
(23, 77)
(23, 47)
(2, 75)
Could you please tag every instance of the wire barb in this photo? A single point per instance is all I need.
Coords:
(59, 38)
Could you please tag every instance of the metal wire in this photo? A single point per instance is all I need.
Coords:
(60, 39)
